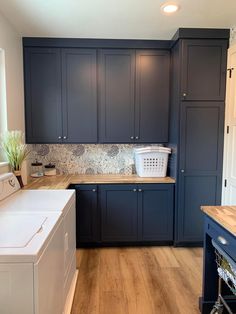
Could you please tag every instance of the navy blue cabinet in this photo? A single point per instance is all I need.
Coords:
(216, 232)
(137, 213)
(61, 95)
(79, 95)
(119, 212)
(43, 107)
(116, 100)
(87, 215)
(124, 214)
(196, 131)
(134, 95)
(201, 143)
(204, 69)
(156, 212)
(64, 86)
(152, 96)
(128, 82)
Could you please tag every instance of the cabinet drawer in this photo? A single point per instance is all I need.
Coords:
(222, 237)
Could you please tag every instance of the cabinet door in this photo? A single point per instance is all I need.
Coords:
(79, 95)
(43, 109)
(201, 145)
(119, 211)
(204, 64)
(152, 96)
(116, 81)
(156, 212)
(87, 219)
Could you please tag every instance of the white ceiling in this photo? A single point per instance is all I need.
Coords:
(114, 18)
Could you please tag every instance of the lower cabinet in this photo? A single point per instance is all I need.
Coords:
(124, 213)
(156, 212)
(119, 213)
(87, 218)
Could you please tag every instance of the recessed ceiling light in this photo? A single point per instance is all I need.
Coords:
(169, 7)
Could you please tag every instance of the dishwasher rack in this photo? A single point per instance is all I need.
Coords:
(226, 268)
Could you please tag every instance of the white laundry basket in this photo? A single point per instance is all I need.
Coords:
(151, 161)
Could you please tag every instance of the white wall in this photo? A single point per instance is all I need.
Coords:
(4, 168)
(232, 35)
(10, 42)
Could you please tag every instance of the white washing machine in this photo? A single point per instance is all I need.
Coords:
(43, 203)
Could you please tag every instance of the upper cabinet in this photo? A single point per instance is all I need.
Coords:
(134, 96)
(79, 95)
(116, 82)
(117, 91)
(43, 109)
(61, 95)
(204, 69)
(70, 96)
(152, 96)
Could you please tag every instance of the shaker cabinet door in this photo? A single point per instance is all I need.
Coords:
(43, 109)
(87, 218)
(204, 74)
(79, 95)
(152, 96)
(200, 175)
(116, 95)
(156, 214)
(119, 212)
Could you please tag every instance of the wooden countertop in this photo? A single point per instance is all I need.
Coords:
(63, 181)
(224, 215)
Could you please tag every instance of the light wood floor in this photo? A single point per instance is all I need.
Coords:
(149, 280)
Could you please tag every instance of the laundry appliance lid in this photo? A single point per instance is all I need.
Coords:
(17, 231)
(37, 201)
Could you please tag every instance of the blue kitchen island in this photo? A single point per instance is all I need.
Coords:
(219, 227)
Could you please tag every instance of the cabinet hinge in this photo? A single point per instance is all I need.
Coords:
(227, 129)
(225, 183)
(230, 72)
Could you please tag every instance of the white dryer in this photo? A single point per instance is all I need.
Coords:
(31, 259)
(44, 203)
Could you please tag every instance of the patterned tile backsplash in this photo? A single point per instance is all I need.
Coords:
(78, 158)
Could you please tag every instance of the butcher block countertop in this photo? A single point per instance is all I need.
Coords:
(63, 181)
(223, 215)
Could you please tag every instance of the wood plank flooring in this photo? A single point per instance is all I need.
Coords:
(148, 280)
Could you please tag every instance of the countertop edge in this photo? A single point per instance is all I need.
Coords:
(222, 215)
(64, 181)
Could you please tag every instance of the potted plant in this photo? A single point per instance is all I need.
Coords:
(12, 143)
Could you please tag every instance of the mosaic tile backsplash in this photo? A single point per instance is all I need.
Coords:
(90, 159)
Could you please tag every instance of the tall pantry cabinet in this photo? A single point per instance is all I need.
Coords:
(197, 128)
